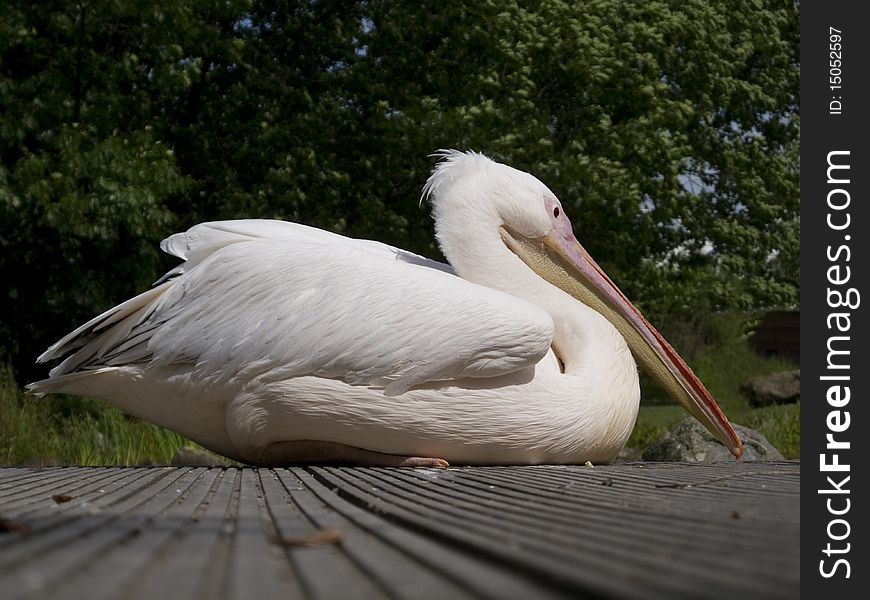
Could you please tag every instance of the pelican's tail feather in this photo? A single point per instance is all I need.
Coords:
(66, 383)
(121, 329)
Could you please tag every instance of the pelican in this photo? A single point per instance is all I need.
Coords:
(274, 343)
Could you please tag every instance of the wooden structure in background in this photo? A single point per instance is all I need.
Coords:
(778, 334)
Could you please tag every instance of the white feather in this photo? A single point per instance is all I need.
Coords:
(272, 331)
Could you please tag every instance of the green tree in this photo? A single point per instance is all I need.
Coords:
(669, 129)
(85, 182)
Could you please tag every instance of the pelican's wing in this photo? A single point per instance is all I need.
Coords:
(197, 243)
(248, 307)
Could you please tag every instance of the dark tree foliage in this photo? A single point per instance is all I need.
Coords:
(669, 129)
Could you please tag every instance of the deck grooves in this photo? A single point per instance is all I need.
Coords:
(643, 477)
(715, 530)
(472, 539)
(38, 484)
(255, 567)
(347, 574)
(605, 524)
(480, 516)
(38, 497)
(69, 521)
(100, 538)
(145, 551)
(19, 483)
(214, 578)
(643, 526)
(187, 559)
(641, 486)
(295, 519)
(538, 565)
(116, 570)
(285, 522)
(467, 571)
(600, 497)
(526, 525)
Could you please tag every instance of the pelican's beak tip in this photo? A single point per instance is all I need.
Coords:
(738, 451)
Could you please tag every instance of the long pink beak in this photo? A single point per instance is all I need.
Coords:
(560, 259)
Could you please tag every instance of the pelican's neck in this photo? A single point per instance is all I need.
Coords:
(600, 382)
(582, 338)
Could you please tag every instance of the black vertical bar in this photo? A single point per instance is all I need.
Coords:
(835, 221)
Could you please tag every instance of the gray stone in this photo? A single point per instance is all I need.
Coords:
(689, 441)
(187, 456)
(778, 388)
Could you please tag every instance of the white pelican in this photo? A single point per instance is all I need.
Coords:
(276, 343)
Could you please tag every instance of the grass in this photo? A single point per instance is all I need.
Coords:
(779, 424)
(723, 361)
(65, 430)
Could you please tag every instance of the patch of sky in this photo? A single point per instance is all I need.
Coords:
(647, 205)
(247, 24)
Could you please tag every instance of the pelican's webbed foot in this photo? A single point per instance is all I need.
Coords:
(307, 452)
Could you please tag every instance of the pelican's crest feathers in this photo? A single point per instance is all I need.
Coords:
(451, 164)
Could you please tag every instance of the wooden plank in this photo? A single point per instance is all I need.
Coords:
(458, 574)
(118, 567)
(53, 527)
(604, 558)
(519, 503)
(648, 499)
(315, 541)
(507, 538)
(713, 530)
(256, 567)
(16, 478)
(40, 571)
(85, 488)
(681, 508)
(192, 563)
(38, 482)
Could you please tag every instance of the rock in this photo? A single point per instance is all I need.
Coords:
(689, 441)
(779, 388)
(186, 456)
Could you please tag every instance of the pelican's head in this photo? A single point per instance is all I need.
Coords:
(473, 196)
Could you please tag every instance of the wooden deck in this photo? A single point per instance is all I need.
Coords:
(723, 530)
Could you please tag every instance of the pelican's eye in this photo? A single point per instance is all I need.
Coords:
(556, 212)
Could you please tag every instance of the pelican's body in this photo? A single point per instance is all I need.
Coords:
(273, 338)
